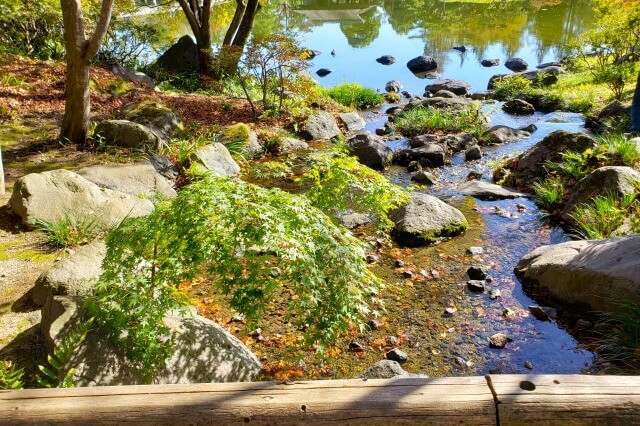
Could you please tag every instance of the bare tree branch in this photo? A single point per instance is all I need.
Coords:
(101, 30)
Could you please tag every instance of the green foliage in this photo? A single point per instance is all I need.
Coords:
(602, 217)
(270, 170)
(620, 150)
(510, 87)
(244, 240)
(127, 40)
(614, 76)
(549, 192)
(354, 95)
(70, 230)
(620, 344)
(10, 376)
(340, 183)
(58, 373)
(573, 165)
(425, 120)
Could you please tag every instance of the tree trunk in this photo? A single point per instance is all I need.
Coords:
(198, 15)
(1, 175)
(230, 53)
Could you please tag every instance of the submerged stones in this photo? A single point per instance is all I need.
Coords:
(487, 191)
(458, 87)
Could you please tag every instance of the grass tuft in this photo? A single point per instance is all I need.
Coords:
(70, 230)
(354, 95)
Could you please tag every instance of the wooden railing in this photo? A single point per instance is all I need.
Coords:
(495, 399)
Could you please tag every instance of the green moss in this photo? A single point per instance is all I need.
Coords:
(11, 250)
(237, 133)
(148, 109)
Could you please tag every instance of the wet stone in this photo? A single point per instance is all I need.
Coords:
(543, 313)
(508, 313)
(476, 273)
(528, 365)
(397, 355)
(475, 286)
(474, 175)
(494, 294)
(449, 312)
(488, 279)
(475, 251)
(498, 340)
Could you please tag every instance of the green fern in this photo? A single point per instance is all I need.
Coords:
(10, 376)
(57, 373)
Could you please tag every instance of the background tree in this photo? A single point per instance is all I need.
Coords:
(80, 51)
(198, 15)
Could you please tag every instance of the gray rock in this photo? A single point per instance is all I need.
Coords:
(503, 134)
(393, 86)
(204, 351)
(476, 286)
(352, 121)
(490, 62)
(431, 155)
(452, 105)
(458, 87)
(518, 107)
(386, 60)
(498, 340)
(422, 64)
(424, 178)
(544, 77)
(549, 64)
(292, 144)
(165, 167)
(155, 115)
(475, 250)
(387, 369)
(586, 273)
(215, 158)
(128, 134)
(474, 174)
(397, 355)
(476, 273)
(370, 150)
(49, 196)
(425, 219)
(454, 143)
(253, 149)
(136, 77)
(516, 64)
(605, 180)
(543, 313)
(551, 148)
(353, 220)
(135, 179)
(473, 153)
(494, 294)
(444, 94)
(487, 191)
(323, 72)
(73, 275)
(321, 125)
(181, 57)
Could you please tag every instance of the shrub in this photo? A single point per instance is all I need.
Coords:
(620, 344)
(354, 95)
(549, 192)
(422, 120)
(233, 236)
(339, 182)
(621, 150)
(70, 230)
(510, 87)
(604, 215)
(10, 376)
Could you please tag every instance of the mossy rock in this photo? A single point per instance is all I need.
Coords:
(154, 114)
(237, 133)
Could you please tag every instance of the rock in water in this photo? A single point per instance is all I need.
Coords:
(498, 341)
(370, 150)
(490, 62)
(516, 64)
(518, 107)
(386, 60)
(323, 72)
(422, 64)
(425, 219)
(459, 87)
(586, 273)
(393, 86)
(487, 191)
(387, 369)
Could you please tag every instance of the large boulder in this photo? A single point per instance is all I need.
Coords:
(452, 105)
(370, 150)
(50, 196)
(543, 77)
(425, 219)
(181, 57)
(490, 62)
(387, 369)
(204, 352)
(605, 180)
(155, 115)
(551, 148)
(592, 274)
(135, 77)
(518, 107)
(136, 179)
(422, 64)
(458, 87)
(614, 110)
(288, 144)
(487, 191)
(216, 159)
(321, 125)
(73, 276)
(127, 134)
(516, 64)
(503, 134)
(352, 121)
(429, 155)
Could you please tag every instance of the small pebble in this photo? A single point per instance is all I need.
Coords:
(489, 279)
(275, 272)
(498, 341)
(397, 355)
(476, 273)
(509, 313)
(449, 312)
(475, 286)
(494, 294)
(399, 263)
(521, 207)
(475, 251)
(373, 258)
(528, 365)
(392, 340)
(424, 273)
(373, 324)
(543, 313)
(408, 273)
(355, 347)
(435, 274)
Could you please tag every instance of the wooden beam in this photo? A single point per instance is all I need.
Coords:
(567, 399)
(462, 400)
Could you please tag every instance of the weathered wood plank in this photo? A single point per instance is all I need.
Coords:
(567, 399)
(396, 401)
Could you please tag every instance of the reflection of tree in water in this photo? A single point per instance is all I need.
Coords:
(362, 34)
(480, 25)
